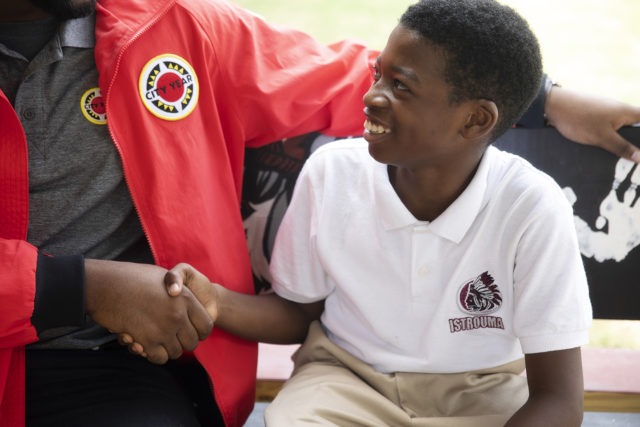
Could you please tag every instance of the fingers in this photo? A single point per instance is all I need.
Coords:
(188, 338)
(125, 339)
(619, 146)
(178, 277)
(182, 276)
(174, 348)
(137, 349)
(202, 298)
(199, 318)
(593, 120)
(158, 355)
(133, 299)
(190, 321)
(133, 346)
(173, 282)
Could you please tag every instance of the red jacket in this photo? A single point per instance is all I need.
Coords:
(188, 85)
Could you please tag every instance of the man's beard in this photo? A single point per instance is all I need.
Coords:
(66, 9)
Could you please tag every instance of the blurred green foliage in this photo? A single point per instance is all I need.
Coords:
(590, 45)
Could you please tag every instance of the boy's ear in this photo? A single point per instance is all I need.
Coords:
(481, 119)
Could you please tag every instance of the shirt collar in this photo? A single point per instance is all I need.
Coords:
(453, 223)
(78, 32)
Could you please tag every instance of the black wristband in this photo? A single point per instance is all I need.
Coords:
(59, 292)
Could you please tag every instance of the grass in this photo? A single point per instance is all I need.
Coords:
(589, 45)
(615, 334)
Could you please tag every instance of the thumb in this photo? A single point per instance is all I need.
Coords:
(173, 283)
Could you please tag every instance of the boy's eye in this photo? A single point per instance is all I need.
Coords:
(375, 72)
(399, 85)
(377, 75)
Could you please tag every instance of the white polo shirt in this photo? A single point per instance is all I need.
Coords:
(497, 274)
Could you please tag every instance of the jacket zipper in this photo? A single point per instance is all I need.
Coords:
(138, 33)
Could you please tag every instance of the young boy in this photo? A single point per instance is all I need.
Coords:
(427, 262)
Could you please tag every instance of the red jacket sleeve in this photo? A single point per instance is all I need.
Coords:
(18, 261)
(285, 83)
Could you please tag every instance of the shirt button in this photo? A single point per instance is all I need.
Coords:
(423, 271)
(28, 114)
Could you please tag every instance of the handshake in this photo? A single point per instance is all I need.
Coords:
(175, 280)
(159, 313)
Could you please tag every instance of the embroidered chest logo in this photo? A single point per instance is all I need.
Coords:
(478, 297)
(92, 106)
(168, 87)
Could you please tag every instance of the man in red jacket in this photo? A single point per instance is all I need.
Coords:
(121, 153)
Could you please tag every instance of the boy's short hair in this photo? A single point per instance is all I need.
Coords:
(489, 49)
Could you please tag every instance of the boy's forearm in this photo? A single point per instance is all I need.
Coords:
(550, 411)
(555, 390)
(264, 318)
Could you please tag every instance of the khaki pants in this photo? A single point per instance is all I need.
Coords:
(331, 387)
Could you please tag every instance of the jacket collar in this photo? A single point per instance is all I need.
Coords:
(118, 22)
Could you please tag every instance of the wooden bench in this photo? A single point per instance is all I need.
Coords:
(274, 367)
(611, 379)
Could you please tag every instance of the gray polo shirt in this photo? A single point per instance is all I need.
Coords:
(78, 199)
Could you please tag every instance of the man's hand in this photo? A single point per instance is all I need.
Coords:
(593, 120)
(130, 299)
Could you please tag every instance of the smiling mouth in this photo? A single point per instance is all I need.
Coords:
(375, 128)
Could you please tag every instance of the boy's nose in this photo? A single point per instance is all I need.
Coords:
(375, 97)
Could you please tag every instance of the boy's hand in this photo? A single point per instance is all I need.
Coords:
(181, 275)
(185, 275)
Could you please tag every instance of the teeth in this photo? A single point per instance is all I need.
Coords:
(374, 128)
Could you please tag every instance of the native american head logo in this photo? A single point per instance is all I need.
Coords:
(480, 295)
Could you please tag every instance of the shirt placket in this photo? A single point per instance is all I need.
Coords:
(422, 260)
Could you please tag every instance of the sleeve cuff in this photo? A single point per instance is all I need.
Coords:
(534, 117)
(559, 341)
(59, 297)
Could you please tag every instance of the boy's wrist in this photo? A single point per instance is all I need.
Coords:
(216, 303)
